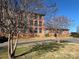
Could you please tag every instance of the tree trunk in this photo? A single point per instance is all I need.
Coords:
(11, 47)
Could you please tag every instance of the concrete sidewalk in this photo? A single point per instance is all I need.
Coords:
(28, 41)
(35, 40)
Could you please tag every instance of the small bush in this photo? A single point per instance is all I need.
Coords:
(47, 35)
(75, 35)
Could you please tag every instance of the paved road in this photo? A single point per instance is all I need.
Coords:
(70, 40)
(73, 40)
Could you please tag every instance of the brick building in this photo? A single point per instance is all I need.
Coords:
(30, 23)
(36, 23)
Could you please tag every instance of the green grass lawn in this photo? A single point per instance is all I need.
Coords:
(3, 53)
(45, 51)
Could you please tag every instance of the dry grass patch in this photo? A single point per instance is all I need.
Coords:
(69, 51)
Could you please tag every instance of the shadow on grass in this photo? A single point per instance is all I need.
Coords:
(44, 48)
(3, 49)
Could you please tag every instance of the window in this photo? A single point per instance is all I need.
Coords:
(40, 30)
(36, 23)
(31, 30)
(36, 30)
(40, 23)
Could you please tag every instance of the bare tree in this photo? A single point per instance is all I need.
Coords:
(8, 23)
(59, 23)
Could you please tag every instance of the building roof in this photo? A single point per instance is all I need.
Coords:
(37, 13)
(21, 11)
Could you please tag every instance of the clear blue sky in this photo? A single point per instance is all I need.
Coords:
(69, 8)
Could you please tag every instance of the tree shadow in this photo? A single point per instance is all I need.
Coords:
(3, 49)
(44, 48)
